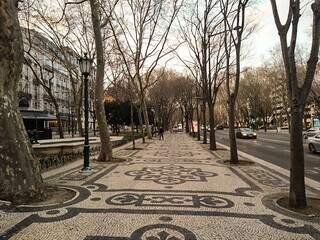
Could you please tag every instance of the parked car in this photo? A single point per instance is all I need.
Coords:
(311, 132)
(314, 143)
(245, 133)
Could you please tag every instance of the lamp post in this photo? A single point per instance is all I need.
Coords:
(198, 121)
(85, 64)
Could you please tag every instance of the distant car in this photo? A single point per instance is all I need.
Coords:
(314, 143)
(311, 132)
(219, 127)
(207, 128)
(175, 129)
(245, 133)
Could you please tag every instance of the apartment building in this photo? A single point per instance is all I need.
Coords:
(43, 69)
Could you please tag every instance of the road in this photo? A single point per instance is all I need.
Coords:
(274, 148)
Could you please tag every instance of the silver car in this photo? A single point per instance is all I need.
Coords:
(245, 133)
(314, 143)
(311, 132)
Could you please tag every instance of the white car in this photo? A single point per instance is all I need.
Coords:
(311, 132)
(314, 143)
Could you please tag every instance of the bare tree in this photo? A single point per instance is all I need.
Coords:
(276, 73)
(70, 35)
(298, 91)
(106, 147)
(121, 87)
(67, 37)
(100, 16)
(202, 34)
(20, 178)
(234, 16)
(140, 29)
(255, 97)
(163, 97)
(187, 99)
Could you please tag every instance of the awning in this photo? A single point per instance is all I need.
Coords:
(36, 115)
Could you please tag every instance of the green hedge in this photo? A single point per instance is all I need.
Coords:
(50, 161)
(127, 136)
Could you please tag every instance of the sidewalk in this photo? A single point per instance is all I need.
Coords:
(171, 190)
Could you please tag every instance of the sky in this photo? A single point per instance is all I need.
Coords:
(266, 37)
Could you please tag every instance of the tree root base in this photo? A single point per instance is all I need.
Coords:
(239, 163)
(313, 208)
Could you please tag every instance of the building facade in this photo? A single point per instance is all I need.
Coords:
(46, 88)
(281, 108)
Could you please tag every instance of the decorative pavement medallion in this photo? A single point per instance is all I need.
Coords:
(154, 232)
(171, 174)
(169, 200)
(264, 177)
(217, 201)
(166, 200)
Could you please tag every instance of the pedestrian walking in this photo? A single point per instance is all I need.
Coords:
(161, 131)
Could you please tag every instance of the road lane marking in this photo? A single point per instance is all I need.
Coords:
(271, 147)
(310, 182)
(274, 140)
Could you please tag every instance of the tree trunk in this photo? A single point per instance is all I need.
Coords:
(58, 116)
(141, 124)
(265, 124)
(94, 126)
(106, 147)
(198, 123)
(20, 178)
(146, 118)
(297, 183)
(232, 136)
(132, 127)
(288, 120)
(305, 122)
(182, 118)
(191, 122)
(187, 123)
(204, 122)
(72, 123)
(213, 144)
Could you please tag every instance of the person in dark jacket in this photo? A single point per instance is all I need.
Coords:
(161, 131)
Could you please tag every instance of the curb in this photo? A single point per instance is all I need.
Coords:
(309, 182)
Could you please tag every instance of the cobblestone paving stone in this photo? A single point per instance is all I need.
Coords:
(171, 190)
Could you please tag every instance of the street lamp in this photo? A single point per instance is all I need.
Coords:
(85, 64)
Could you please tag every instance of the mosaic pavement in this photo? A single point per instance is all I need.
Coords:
(171, 190)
